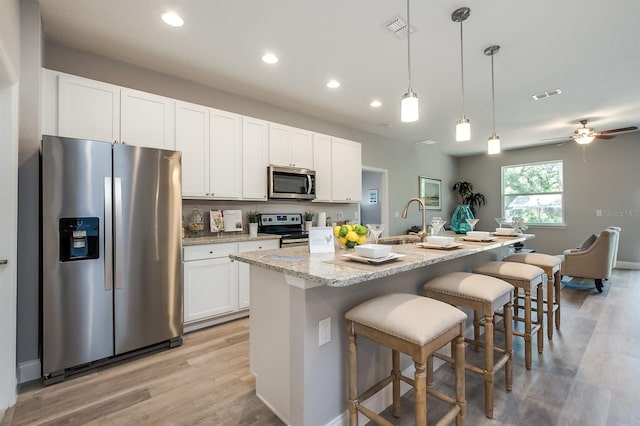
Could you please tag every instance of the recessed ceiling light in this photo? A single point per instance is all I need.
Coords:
(546, 94)
(426, 142)
(270, 58)
(375, 103)
(171, 18)
(333, 84)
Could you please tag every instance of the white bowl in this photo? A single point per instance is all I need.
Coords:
(441, 241)
(478, 234)
(373, 251)
(505, 231)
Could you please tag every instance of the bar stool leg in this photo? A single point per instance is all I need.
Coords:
(549, 303)
(488, 366)
(396, 382)
(420, 383)
(430, 371)
(460, 371)
(353, 368)
(557, 282)
(527, 328)
(540, 320)
(476, 331)
(508, 345)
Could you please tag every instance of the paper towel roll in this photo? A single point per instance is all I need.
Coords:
(322, 218)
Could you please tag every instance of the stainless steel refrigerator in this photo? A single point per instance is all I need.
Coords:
(111, 251)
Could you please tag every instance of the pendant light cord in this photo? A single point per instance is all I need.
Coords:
(462, 68)
(493, 97)
(409, 44)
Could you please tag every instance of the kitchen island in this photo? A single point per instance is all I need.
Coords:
(293, 292)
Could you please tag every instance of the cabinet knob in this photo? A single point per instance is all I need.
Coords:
(210, 252)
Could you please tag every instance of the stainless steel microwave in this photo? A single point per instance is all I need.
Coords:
(288, 183)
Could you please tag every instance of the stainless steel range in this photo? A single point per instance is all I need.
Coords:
(287, 225)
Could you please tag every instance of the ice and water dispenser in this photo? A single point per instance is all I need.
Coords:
(79, 238)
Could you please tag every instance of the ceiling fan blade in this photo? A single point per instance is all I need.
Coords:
(600, 136)
(620, 130)
(558, 139)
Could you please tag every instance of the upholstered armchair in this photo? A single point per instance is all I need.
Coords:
(594, 262)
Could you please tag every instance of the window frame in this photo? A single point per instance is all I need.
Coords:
(534, 224)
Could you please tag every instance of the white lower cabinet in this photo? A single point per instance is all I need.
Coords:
(244, 269)
(216, 288)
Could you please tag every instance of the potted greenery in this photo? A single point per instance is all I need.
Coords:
(469, 201)
(308, 218)
(252, 217)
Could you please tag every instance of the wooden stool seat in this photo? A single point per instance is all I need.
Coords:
(551, 265)
(529, 278)
(418, 327)
(485, 295)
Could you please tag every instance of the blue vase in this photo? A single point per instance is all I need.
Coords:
(458, 220)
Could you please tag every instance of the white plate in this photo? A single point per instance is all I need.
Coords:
(378, 261)
(507, 235)
(481, 240)
(439, 246)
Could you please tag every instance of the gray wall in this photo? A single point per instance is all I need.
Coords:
(607, 178)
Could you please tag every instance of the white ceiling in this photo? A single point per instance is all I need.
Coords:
(590, 49)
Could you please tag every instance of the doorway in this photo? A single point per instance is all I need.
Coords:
(374, 205)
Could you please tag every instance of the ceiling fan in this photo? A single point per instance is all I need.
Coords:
(585, 135)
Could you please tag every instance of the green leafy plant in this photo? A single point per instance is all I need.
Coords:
(252, 216)
(308, 216)
(467, 196)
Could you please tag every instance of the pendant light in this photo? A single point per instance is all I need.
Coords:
(493, 146)
(463, 126)
(409, 110)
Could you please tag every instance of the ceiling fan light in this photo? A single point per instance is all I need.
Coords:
(409, 110)
(584, 139)
(463, 130)
(493, 145)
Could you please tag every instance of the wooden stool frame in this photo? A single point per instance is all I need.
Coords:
(422, 358)
(486, 310)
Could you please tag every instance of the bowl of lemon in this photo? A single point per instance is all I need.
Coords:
(349, 236)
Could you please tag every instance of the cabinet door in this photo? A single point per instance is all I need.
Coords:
(88, 109)
(322, 166)
(225, 155)
(301, 148)
(192, 138)
(255, 159)
(210, 288)
(346, 170)
(279, 145)
(147, 120)
(244, 269)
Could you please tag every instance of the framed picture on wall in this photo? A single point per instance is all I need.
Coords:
(430, 191)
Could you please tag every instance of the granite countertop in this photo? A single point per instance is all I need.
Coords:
(334, 270)
(226, 238)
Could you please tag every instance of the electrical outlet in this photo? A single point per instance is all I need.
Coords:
(397, 214)
(356, 215)
(324, 331)
(340, 216)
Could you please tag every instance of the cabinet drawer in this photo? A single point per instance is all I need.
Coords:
(209, 251)
(258, 245)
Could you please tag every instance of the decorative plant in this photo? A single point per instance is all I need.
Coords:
(252, 216)
(468, 197)
(308, 216)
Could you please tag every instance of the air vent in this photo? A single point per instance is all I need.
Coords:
(547, 94)
(398, 26)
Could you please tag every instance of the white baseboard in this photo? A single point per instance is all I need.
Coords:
(627, 265)
(29, 370)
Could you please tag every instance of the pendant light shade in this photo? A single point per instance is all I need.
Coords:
(493, 146)
(463, 127)
(409, 110)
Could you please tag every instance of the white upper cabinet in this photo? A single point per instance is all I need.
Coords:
(255, 158)
(147, 120)
(289, 146)
(192, 138)
(88, 109)
(322, 166)
(346, 170)
(225, 144)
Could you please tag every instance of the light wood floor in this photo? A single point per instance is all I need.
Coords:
(589, 374)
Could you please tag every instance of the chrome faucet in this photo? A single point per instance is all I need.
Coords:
(422, 234)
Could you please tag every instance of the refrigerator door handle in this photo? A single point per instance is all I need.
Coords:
(108, 239)
(118, 232)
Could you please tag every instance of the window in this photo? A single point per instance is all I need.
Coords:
(533, 192)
